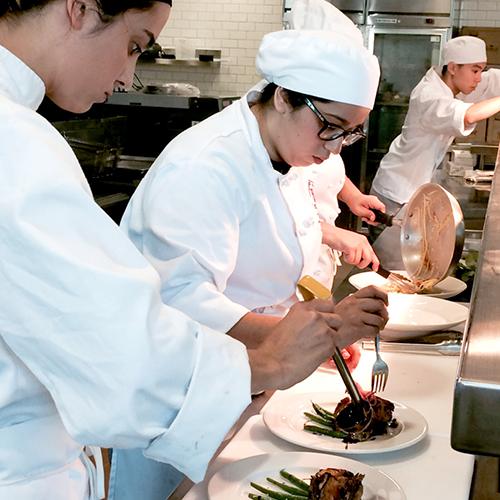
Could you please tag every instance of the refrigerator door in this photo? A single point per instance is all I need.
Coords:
(405, 55)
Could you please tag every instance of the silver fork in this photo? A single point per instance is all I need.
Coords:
(380, 370)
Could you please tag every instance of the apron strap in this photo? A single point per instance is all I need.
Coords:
(95, 471)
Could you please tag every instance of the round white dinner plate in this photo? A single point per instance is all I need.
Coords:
(414, 315)
(285, 418)
(233, 480)
(445, 289)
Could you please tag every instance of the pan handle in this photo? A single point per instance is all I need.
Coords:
(382, 217)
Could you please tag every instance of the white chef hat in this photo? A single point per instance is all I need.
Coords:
(322, 15)
(328, 63)
(464, 50)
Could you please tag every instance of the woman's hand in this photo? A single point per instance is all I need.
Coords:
(362, 204)
(364, 314)
(295, 346)
(351, 355)
(354, 246)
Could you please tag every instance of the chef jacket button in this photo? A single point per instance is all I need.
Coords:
(308, 223)
(302, 232)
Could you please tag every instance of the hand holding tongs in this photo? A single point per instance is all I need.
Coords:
(360, 412)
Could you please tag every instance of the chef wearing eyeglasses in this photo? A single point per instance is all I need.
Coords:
(233, 212)
(231, 218)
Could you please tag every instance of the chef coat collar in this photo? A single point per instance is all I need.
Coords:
(250, 98)
(435, 74)
(19, 82)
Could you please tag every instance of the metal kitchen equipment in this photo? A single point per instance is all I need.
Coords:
(476, 408)
(432, 233)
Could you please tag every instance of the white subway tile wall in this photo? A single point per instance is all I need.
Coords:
(233, 26)
(477, 13)
(236, 27)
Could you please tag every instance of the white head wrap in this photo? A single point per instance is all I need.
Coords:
(323, 56)
(464, 50)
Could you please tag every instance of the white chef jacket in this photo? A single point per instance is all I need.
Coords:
(435, 117)
(89, 354)
(227, 232)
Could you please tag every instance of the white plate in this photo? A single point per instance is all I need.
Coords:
(445, 289)
(232, 482)
(285, 418)
(412, 316)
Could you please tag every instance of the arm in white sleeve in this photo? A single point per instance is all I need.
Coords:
(185, 219)
(81, 307)
(443, 115)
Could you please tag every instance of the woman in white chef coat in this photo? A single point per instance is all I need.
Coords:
(446, 103)
(222, 217)
(89, 353)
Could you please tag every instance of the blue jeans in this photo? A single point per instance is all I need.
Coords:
(135, 477)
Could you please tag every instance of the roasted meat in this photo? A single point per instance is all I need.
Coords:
(382, 414)
(336, 484)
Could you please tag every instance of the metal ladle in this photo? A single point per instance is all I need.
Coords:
(357, 416)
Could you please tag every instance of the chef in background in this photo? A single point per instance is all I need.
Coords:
(224, 216)
(328, 179)
(89, 352)
(446, 103)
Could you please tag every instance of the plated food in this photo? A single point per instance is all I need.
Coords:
(284, 417)
(323, 422)
(326, 484)
(449, 287)
(233, 481)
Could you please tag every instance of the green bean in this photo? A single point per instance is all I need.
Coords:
(322, 412)
(320, 420)
(316, 429)
(276, 494)
(288, 488)
(253, 496)
(295, 480)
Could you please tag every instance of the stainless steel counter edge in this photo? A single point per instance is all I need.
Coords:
(476, 409)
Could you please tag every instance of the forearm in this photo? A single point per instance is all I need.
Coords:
(253, 328)
(481, 111)
(348, 192)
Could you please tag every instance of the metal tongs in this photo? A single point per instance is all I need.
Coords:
(357, 415)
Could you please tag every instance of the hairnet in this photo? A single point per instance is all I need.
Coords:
(464, 50)
(323, 56)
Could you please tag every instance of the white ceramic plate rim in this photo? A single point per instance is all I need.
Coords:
(445, 289)
(233, 480)
(284, 418)
(449, 313)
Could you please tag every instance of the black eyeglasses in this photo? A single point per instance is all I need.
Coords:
(331, 132)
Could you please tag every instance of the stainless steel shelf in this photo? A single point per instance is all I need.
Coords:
(182, 62)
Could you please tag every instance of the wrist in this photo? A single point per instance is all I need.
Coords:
(266, 371)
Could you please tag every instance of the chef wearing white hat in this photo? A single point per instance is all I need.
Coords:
(229, 228)
(446, 103)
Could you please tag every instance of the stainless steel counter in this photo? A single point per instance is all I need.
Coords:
(475, 426)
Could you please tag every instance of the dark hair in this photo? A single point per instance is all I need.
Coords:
(444, 70)
(108, 9)
(295, 99)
